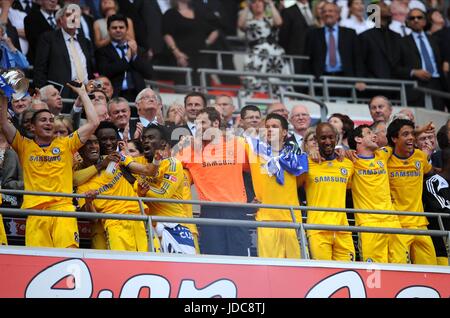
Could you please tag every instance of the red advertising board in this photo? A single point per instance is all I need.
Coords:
(85, 273)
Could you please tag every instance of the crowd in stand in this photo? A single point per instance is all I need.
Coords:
(99, 145)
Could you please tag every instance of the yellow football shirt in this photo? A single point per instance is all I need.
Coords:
(187, 195)
(406, 181)
(167, 184)
(370, 187)
(115, 185)
(269, 191)
(47, 169)
(325, 185)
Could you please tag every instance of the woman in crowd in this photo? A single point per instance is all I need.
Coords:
(10, 56)
(63, 126)
(11, 177)
(175, 116)
(310, 141)
(356, 19)
(317, 11)
(260, 20)
(186, 32)
(101, 36)
(344, 126)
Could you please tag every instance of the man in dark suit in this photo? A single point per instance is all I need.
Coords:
(63, 55)
(297, 20)
(37, 22)
(421, 60)
(120, 115)
(334, 50)
(147, 19)
(124, 62)
(24, 5)
(380, 48)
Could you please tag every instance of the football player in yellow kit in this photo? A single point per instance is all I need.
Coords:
(120, 234)
(407, 167)
(47, 166)
(274, 242)
(326, 185)
(93, 170)
(371, 191)
(168, 183)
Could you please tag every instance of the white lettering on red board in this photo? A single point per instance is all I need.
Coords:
(72, 279)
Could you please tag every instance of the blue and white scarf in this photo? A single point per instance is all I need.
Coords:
(290, 159)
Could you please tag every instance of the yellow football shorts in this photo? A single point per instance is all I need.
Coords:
(50, 231)
(123, 235)
(336, 246)
(420, 247)
(278, 243)
(382, 248)
(98, 235)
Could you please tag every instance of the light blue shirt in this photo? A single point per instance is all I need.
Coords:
(338, 66)
(429, 49)
(16, 59)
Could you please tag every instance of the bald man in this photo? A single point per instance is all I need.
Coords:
(278, 108)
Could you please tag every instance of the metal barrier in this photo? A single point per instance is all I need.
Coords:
(176, 69)
(219, 55)
(299, 227)
(305, 80)
(430, 93)
(378, 84)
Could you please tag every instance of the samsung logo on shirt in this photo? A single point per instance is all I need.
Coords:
(217, 163)
(371, 172)
(110, 184)
(44, 158)
(398, 174)
(330, 179)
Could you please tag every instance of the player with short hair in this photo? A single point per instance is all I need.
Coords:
(167, 184)
(370, 191)
(407, 167)
(326, 184)
(121, 235)
(269, 189)
(216, 162)
(47, 166)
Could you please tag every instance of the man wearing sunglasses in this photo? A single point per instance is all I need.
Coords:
(421, 60)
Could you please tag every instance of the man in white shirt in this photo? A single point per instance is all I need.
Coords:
(399, 13)
(148, 106)
(193, 103)
(300, 119)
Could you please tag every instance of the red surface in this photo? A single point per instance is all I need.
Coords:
(35, 276)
